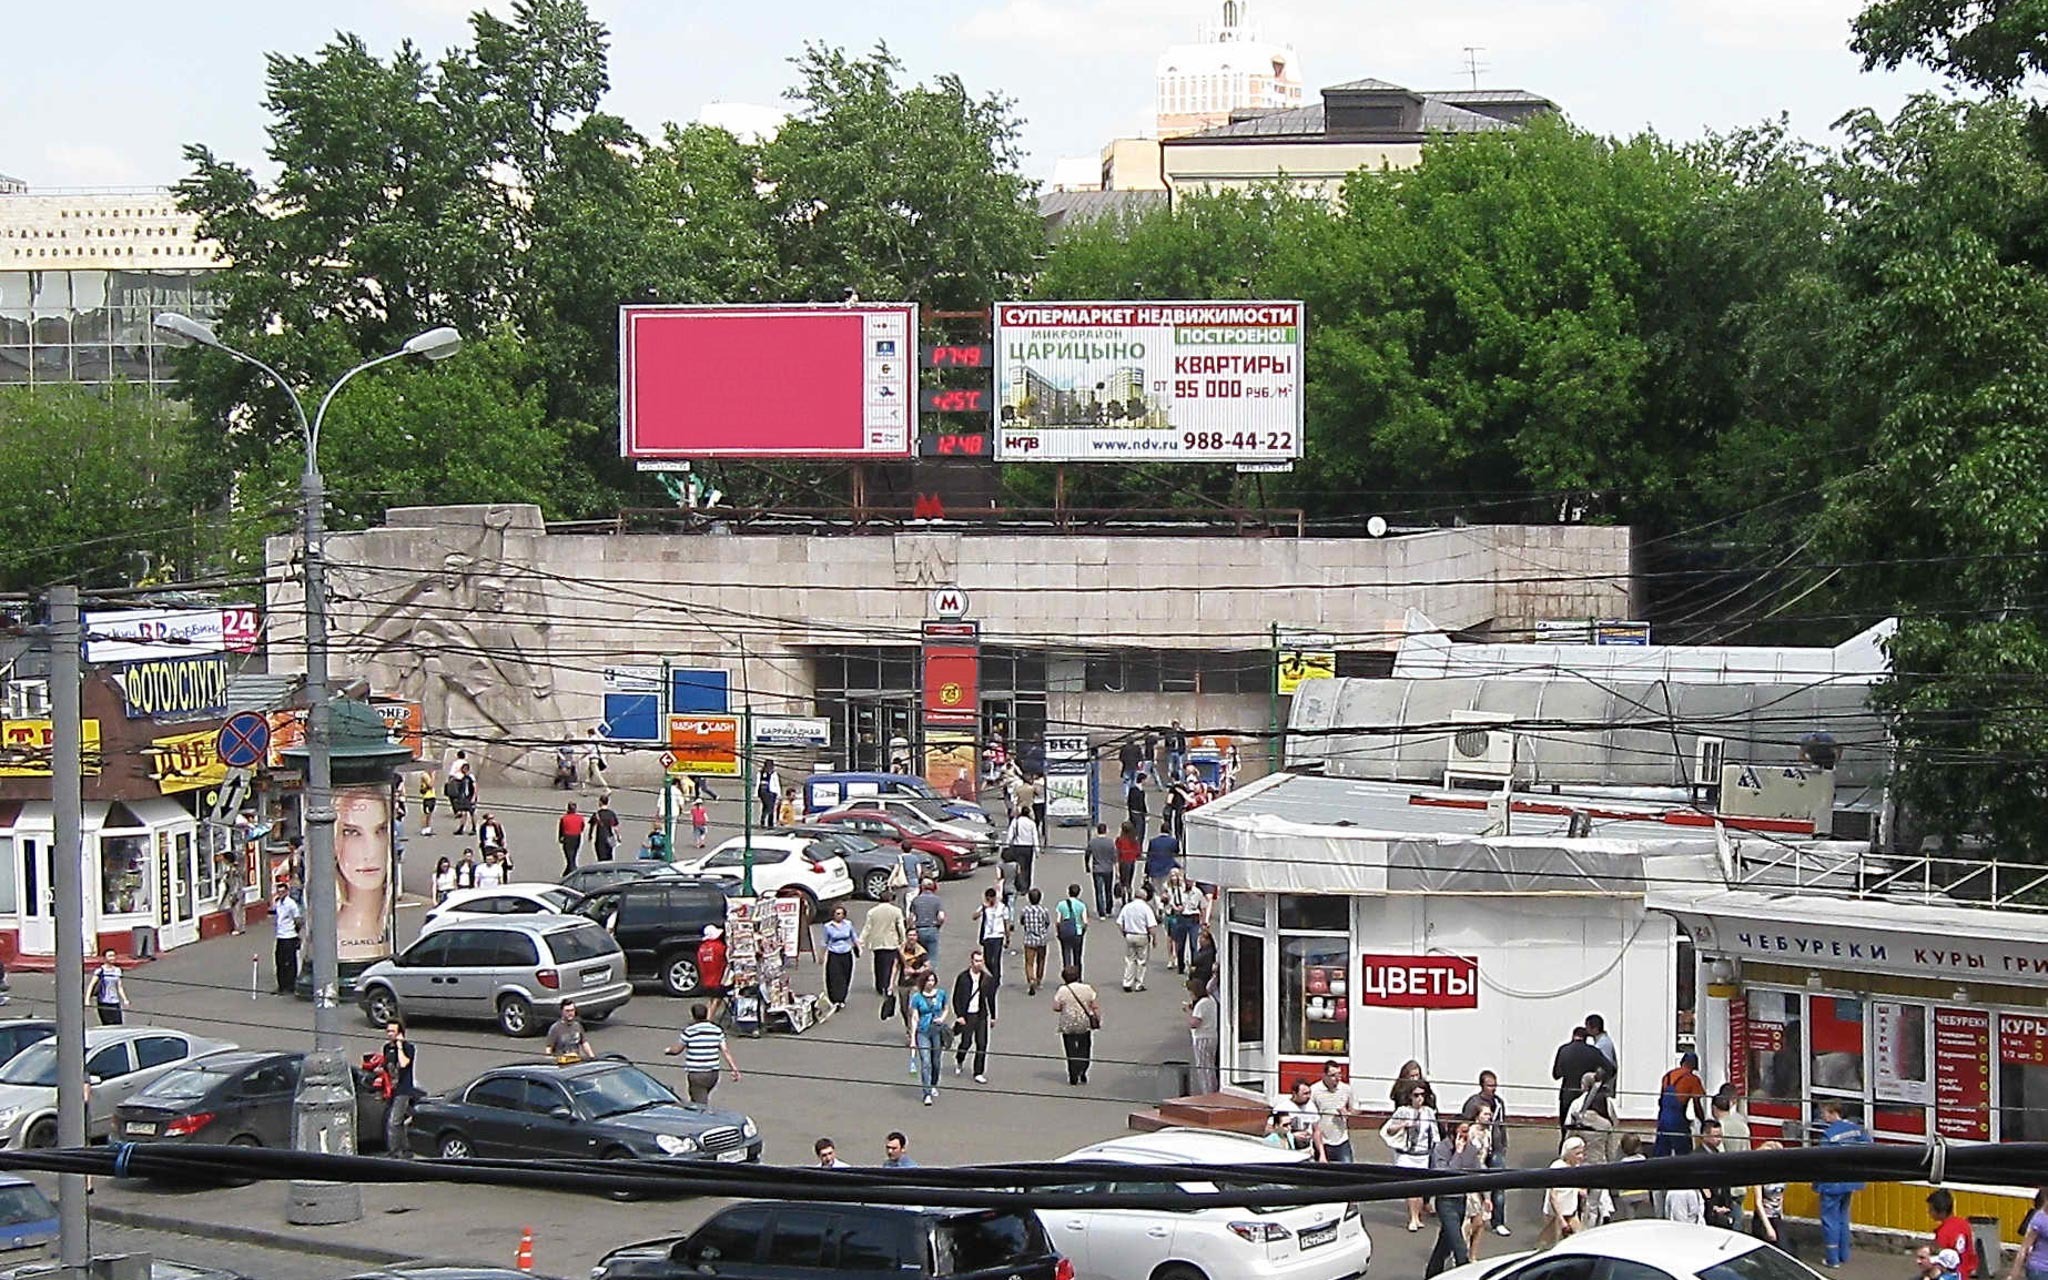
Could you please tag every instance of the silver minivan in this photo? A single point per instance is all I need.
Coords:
(515, 972)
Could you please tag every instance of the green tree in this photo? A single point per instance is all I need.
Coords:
(1994, 45)
(97, 487)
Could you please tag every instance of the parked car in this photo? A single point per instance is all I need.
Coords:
(604, 1109)
(782, 864)
(659, 923)
(513, 970)
(833, 790)
(119, 1062)
(17, 1034)
(445, 1271)
(784, 1240)
(239, 1098)
(1648, 1249)
(493, 901)
(592, 876)
(1313, 1242)
(868, 861)
(27, 1218)
(959, 859)
(915, 810)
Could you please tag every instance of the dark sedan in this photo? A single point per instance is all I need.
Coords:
(607, 1109)
(240, 1098)
(868, 861)
(593, 876)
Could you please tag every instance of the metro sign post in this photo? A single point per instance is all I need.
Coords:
(951, 667)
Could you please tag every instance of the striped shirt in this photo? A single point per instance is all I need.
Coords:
(703, 1043)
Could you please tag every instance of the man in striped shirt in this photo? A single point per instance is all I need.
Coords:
(702, 1045)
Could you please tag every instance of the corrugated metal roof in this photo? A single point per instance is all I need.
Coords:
(260, 691)
(1462, 96)
(1369, 85)
(1308, 122)
(1061, 207)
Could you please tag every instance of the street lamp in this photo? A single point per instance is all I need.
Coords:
(325, 1085)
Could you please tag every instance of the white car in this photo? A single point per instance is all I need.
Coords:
(1315, 1242)
(492, 901)
(119, 1061)
(923, 815)
(780, 862)
(1648, 1249)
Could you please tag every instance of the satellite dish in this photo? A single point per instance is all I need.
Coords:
(1377, 526)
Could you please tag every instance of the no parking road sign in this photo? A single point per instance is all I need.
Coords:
(244, 741)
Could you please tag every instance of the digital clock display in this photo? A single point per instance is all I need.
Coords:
(956, 399)
(954, 444)
(966, 356)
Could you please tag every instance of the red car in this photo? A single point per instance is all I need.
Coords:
(957, 857)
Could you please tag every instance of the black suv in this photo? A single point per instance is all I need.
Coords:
(782, 1240)
(659, 922)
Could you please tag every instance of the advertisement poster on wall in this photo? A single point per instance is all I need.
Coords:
(949, 762)
(1069, 774)
(363, 872)
(1899, 1053)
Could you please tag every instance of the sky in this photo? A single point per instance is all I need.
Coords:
(114, 104)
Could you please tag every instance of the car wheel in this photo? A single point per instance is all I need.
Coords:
(874, 886)
(453, 1146)
(515, 1016)
(679, 975)
(1178, 1271)
(42, 1134)
(245, 1140)
(380, 1006)
(620, 1153)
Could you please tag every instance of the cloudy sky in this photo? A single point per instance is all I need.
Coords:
(115, 105)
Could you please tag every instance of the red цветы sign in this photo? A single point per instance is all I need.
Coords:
(1420, 982)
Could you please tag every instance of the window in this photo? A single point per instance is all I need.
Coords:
(1623, 1269)
(1577, 1267)
(429, 952)
(8, 868)
(986, 1242)
(1900, 1084)
(1777, 1054)
(470, 948)
(513, 950)
(875, 1244)
(506, 1093)
(543, 1097)
(1835, 1039)
(155, 1051)
(1327, 912)
(1757, 1264)
(585, 942)
(1314, 977)
(798, 1238)
(108, 1062)
(2022, 1050)
(125, 885)
(1248, 989)
(731, 1235)
(271, 1079)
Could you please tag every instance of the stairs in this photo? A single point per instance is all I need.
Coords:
(1203, 1111)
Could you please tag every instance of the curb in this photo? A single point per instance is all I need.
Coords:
(301, 1242)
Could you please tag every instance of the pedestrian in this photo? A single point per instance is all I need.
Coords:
(490, 873)
(1202, 965)
(992, 929)
(1176, 749)
(593, 759)
(567, 1040)
(570, 832)
(1077, 1011)
(1723, 1210)
(1478, 1207)
(787, 810)
(2032, 1258)
(711, 967)
(1139, 926)
(1632, 1203)
(1134, 803)
(927, 917)
(1836, 1131)
(398, 1060)
(1734, 1127)
(841, 946)
(1592, 1117)
(465, 870)
(896, 1151)
(1457, 1152)
(1334, 1105)
(1204, 1038)
(910, 972)
(285, 914)
(928, 1010)
(1574, 1058)
(604, 834)
(1562, 1206)
(654, 846)
(1034, 934)
(974, 1013)
(231, 885)
(1100, 854)
(1681, 1099)
(490, 834)
(1179, 797)
(1687, 1205)
(1767, 1222)
(1299, 1113)
(428, 798)
(461, 792)
(1020, 846)
(109, 996)
(444, 881)
(703, 1047)
(700, 821)
(1951, 1230)
(1411, 1133)
(1070, 923)
(882, 936)
(1182, 903)
(1162, 855)
(1130, 757)
(1496, 1136)
(1128, 852)
(1596, 1035)
(827, 1152)
(1405, 1080)
(767, 790)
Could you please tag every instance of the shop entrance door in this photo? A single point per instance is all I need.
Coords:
(38, 895)
(182, 915)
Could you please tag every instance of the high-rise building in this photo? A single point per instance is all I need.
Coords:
(1230, 68)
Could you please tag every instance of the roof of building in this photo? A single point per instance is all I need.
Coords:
(1059, 208)
(1307, 122)
(1369, 84)
(1934, 920)
(1462, 97)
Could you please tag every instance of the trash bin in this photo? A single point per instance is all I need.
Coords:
(1984, 1234)
(1173, 1079)
(142, 942)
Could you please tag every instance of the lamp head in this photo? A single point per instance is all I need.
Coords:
(179, 325)
(434, 344)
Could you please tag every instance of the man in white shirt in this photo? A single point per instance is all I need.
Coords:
(1140, 926)
(1684, 1204)
(1333, 1104)
(1021, 846)
(992, 920)
(284, 918)
(1300, 1115)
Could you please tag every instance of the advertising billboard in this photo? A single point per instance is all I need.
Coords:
(1148, 381)
(783, 381)
(362, 872)
(704, 745)
(140, 635)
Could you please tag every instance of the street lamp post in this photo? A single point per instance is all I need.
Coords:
(326, 1088)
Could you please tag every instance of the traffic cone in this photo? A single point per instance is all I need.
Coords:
(524, 1258)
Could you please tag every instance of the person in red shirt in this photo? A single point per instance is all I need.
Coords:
(1126, 860)
(1951, 1231)
(570, 832)
(711, 969)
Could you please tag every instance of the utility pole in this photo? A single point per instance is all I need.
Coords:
(1473, 66)
(67, 873)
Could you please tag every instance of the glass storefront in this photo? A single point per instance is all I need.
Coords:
(93, 326)
(125, 884)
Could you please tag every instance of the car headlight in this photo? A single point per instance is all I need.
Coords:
(8, 1116)
(670, 1144)
(751, 1129)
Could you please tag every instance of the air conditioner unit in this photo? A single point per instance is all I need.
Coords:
(1482, 748)
(1708, 754)
(28, 700)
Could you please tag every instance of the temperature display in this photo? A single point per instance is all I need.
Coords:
(954, 444)
(968, 356)
(957, 399)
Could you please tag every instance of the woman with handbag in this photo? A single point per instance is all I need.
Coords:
(1078, 1011)
(928, 1008)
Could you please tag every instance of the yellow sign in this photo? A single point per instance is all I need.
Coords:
(26, 745)
(1297, 665)
(187, 762)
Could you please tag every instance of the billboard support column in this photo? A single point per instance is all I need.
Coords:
(1274, 747)
(746, 801)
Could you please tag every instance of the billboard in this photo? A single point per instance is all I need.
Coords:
(139, 635)
(706, 745)
(1148, 381)
(783, 381)
(362, 872)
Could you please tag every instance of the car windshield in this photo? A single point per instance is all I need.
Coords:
(930, 808)
(1759, 1263)
(915, 823)
(560, 899)
(612, 1093)
(185, 1084)
(24, 1204)
(581, 942)
(36, 1064)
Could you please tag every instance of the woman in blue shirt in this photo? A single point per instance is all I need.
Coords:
(840, 950)
(928, 1012)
